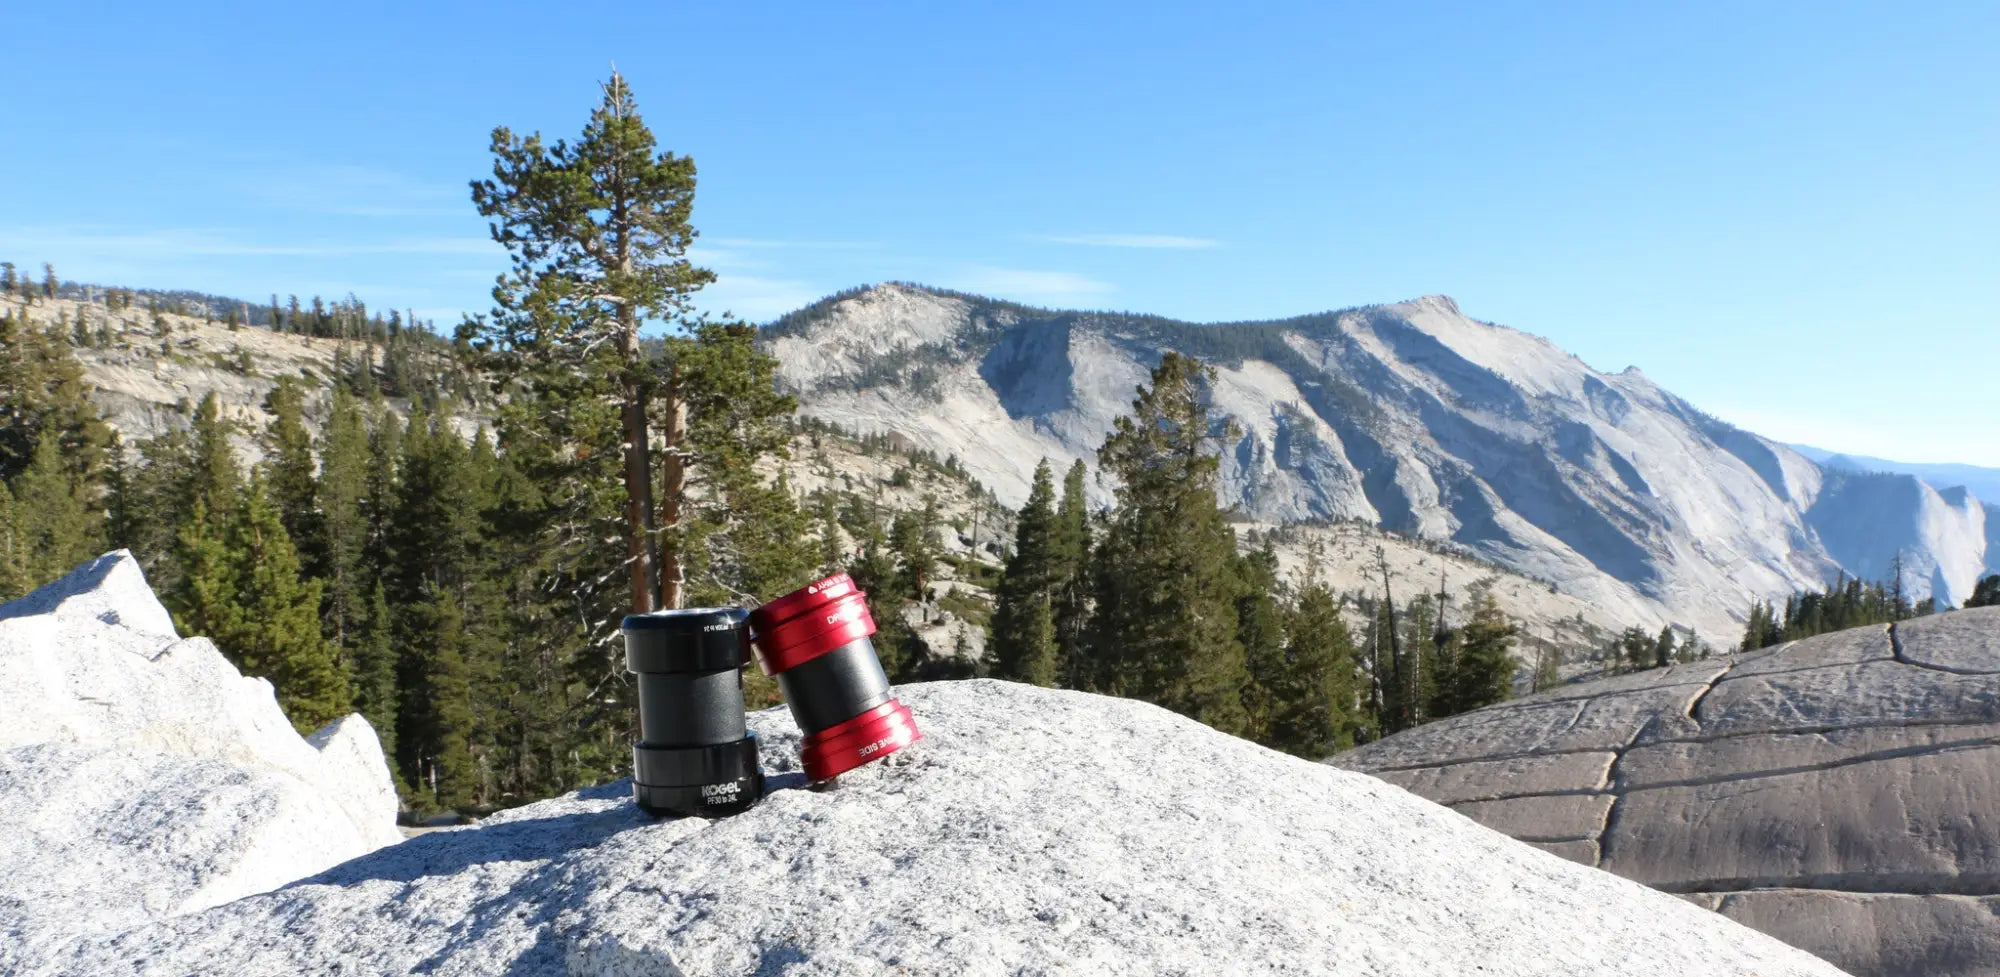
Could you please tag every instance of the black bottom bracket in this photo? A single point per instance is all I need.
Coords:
(697, 781)
(706, 801)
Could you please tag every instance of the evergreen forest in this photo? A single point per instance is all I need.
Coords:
(1847, 603)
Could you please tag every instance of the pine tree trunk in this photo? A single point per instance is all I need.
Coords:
(673, 482)
(641, 545)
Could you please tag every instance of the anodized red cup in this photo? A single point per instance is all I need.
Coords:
(815, 642)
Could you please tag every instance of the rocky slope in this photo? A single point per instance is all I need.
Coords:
(1838, 793)
(143, 778)
(1032, 831)
(144, 383)
(1352, 557)
(1412, 416)
(156, 367)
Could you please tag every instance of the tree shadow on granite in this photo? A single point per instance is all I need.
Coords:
(526, 840)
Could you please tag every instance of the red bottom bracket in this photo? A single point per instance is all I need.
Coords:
(866, 738)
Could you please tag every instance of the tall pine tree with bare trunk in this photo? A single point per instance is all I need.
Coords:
(656, 441)
(599, 232)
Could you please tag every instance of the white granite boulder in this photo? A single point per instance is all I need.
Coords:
(1841, 792)
(1030, 832)
(142, 777)
(110, 589)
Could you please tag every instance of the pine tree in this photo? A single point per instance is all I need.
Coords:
(214, 477)
(54, 522)
(1754, 626)
(278, 634)
(289, 470)
(658, 445)
(1024, 638)
(1072, 585)
(1419, 665)
(384, 485)
(832, 547)
(1664, 648)
(203, 600)
(1445, 668)
(1986, 593)
(1901, 607)
(1035, 628)
(732, 423)
(913, 537)
(1635, 648)
(342, 492)
(599, 231)
(761, 547)
(242, 589)
(434, 715)
(1379, 709)
(372, 653)
(144, 510)
(1390, 662)
(1548, 670)
(550, 737)
(434, 584)
(42, 388)
(1485, 674)
(15, 550)
(1165, 625)
(1319, 713)
(1260, 630)
(875, 573)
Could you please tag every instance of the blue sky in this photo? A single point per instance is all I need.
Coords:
(1788, 213)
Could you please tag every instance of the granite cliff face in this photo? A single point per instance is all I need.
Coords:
(1412, 416)
(1839, 793)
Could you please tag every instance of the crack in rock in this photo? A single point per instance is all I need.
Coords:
(1813, 730)
(1873, 757)
(1613, 777)
(1976, 886)
(1694, 704)
(1896, 646)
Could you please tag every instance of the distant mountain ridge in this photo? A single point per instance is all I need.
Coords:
(1980, 481)
(1410, 415)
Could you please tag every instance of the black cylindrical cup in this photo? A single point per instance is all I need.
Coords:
(694, 756)
(833, 688)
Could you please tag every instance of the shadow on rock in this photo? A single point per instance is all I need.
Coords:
(525, 840)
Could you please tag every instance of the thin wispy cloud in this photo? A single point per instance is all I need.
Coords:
(707, 254)
(755, 298)
(1154, 241)
(357, 191)
(174, 243)
(429, 245)
(1028, 284)
(758, 243)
